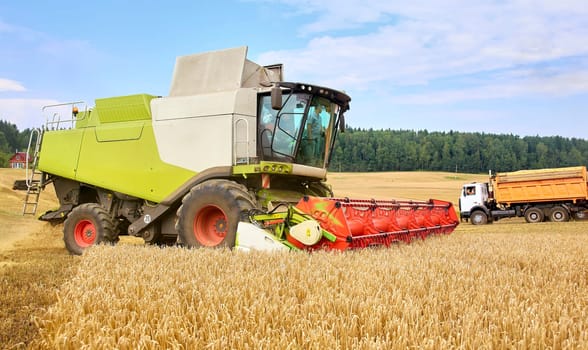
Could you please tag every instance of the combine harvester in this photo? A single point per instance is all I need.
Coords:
(233, 157)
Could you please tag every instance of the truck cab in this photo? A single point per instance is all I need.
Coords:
(473, 203)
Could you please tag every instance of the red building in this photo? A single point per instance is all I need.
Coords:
(18, 160)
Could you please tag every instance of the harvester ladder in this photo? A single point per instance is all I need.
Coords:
(33, 176)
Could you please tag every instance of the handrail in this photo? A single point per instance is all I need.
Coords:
(37, 132)
(56, 121)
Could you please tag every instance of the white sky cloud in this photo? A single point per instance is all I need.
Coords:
(563, 84)
(24, 112)
(421, 43)
(10, 85)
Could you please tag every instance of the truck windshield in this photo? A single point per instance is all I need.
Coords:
(302, 132)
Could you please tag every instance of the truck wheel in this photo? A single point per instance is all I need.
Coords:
(86, 225)
(479, 218)
(210, 212)
(559, 214)
(534, 215)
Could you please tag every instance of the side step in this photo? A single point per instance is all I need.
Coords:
(32, 198)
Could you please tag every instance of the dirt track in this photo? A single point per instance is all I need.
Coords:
(14, 226)
(33, 263)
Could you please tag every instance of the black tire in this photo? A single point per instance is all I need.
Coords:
(534, 215)
(87, 225)
(559, 214)
(319, 189)
(210, 213)
(479, 218)
(581, 215)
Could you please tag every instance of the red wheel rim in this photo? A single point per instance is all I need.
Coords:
(85, 233)
(210, 226)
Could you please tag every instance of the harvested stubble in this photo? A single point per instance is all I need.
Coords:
(461, 291)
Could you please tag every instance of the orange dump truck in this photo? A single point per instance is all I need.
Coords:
(555, 194)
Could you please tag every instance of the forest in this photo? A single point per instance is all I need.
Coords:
(11, 140)
(368, 150)
(360, 150)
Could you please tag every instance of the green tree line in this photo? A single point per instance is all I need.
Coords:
(360, 150)
(11, 140)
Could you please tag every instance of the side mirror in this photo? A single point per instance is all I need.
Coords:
(276, 98)
(342, 122)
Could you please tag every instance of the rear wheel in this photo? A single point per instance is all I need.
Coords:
(210, 212)
(559, 214)
(479, 218)
(581, 215)
(534, 215)
(86, 225)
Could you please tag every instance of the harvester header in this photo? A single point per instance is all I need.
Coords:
(343, 223)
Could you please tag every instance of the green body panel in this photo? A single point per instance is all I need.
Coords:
(124, 108)
(129, 166)
(60, 152)
(121, 157)
(112, 132)
(82, 119)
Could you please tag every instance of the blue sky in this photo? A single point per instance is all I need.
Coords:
(508, 67)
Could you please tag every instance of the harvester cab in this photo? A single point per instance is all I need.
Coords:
(232, 144)
(304, 128)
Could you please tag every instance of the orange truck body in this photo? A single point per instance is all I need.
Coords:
(542, 185)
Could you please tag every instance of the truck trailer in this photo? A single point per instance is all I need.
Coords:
(556, 194)
(234, 157)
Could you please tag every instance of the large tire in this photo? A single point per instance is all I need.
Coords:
(87, 225)
(319, 189)
(479, 218)
(559, 214)
(534, 215)
(210, 212)
(581, 215)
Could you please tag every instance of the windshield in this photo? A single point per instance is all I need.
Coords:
(302, 132)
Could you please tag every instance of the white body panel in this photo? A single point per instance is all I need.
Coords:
(308, 232)
(223, 70)
(203, 131)
(251, 237)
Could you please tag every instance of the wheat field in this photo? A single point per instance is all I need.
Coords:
(500, 286)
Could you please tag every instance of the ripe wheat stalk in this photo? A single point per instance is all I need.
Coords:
(460, 291)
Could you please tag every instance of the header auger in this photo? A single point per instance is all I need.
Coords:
(223, 161)
(343, 223)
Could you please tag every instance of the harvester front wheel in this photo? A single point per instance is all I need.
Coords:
(479, 218)
(319, 189)
(534, 215)
(86, 225)
(210, 212)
